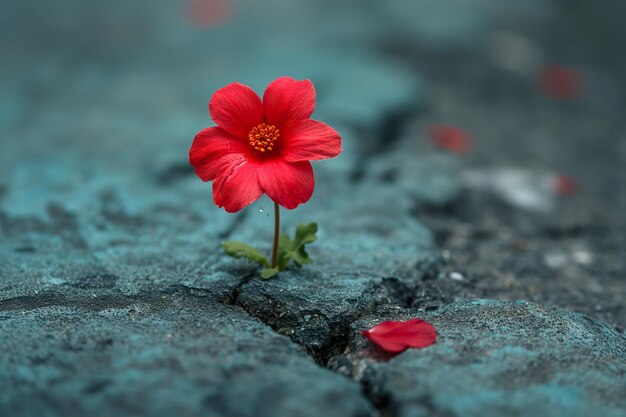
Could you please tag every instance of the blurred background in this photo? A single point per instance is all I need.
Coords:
(522, 103)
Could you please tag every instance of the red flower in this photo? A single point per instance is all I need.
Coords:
(560, 83)
(262, 147)
(396, 336)
(449, 138)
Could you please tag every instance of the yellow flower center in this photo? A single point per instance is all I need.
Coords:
(263, 137)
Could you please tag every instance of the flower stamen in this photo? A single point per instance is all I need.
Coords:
(263, 137)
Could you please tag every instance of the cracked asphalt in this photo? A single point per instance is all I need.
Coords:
(115, 298)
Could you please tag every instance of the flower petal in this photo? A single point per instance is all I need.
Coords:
(236, 108)
(395, 336)
(388, 346)
(238, 187)
(213, 150)
(418, 334)
(311, 140)
(287, 100)
(287, 183)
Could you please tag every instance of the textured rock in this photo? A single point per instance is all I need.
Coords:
(155, 355)
(112, 276)
(113, 287)
(371, 252)
(496, 358)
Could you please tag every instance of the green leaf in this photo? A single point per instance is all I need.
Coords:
(284, 246)
(267, 273)
(294, 250)
(241, 250)
(305, 234)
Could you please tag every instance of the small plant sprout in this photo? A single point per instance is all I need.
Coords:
(265, 147)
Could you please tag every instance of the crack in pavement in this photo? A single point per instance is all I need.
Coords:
(337, 343)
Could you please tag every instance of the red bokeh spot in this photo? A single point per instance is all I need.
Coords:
(560, 83)
(565, 185)
(449, 138)
(209, 13)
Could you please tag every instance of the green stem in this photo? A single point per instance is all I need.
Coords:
(276, 234)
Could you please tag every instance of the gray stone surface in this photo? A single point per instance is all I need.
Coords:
(370, 252)
(170, 353)
(496, 358)
(113, 290)
(115, 298)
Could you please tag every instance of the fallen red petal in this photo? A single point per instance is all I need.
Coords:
(449, 138)
(565, 185)
(560, 83)
(396, 336)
